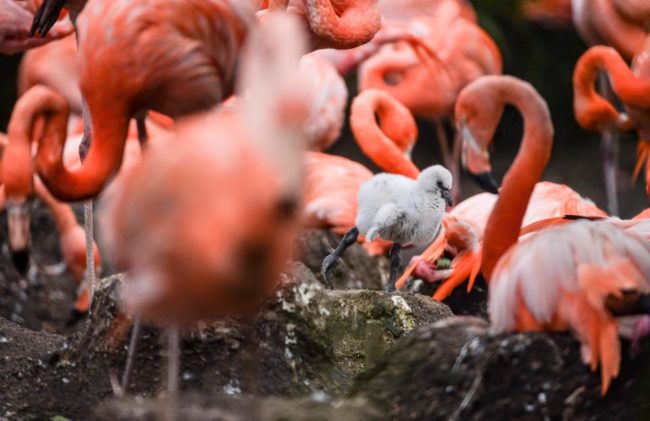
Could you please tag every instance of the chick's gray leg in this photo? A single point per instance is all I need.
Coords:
(348, 239)
(395, 261)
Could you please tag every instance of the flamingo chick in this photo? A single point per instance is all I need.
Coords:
(400, 210)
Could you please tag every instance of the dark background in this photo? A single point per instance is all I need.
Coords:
(545, 58)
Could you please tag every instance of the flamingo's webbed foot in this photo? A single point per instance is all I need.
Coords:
(348, 239)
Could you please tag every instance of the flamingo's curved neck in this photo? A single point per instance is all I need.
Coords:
(356, 26)
(632, 90)
(502, 230)
(109, 132)
(38, 105)
(389, 143)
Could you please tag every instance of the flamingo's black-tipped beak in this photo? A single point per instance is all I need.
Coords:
(20, 258)
(18, 222)
(486, 182)
(446, 194)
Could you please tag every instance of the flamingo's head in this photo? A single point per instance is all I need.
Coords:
(437, 180)
(18, 220)
(477, 114)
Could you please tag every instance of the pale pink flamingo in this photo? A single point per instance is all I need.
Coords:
(328, 97)
(576, 276)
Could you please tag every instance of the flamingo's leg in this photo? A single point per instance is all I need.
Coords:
(450, 158)
(348, 239)
(609, 150)
(133, 344)
(173, 368)
(395, 261)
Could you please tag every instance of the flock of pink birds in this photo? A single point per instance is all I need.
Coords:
(199, 126)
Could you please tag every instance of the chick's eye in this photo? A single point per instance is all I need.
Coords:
(440, 185)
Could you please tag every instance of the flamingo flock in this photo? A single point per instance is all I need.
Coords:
(202, 127)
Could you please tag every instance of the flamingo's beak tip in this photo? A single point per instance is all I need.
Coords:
(486, 182)
(20, 259)
(18, 224)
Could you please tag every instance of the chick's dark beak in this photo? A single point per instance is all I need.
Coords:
(18, 221)
(486, 182)
(446, 194)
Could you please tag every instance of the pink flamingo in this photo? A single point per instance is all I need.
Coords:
(632, 86)
(328, 99)
(464, 52)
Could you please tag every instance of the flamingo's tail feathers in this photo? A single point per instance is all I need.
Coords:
(466, 265)
(610, 354)
(643, 157)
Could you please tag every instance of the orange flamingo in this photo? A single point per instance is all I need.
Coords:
(193, 274)
(333, 182)
(568, 277)
(637, 11)
(340, 24)
(464, 226)
(29, 121)
(555, 13)
(464, 52)
(163, 84)
(15, 22)
(599, 22)
(632, 86)
(396, 21)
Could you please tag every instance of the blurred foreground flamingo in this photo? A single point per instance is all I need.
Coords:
(171, 78)
(631, 86)
(333, 182)
(464, 226)
(163, 233)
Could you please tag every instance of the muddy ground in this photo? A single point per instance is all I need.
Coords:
(310, 354)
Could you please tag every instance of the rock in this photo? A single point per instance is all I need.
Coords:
(456, 369)
(306, 341)
(355, 270)
(227, 408)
